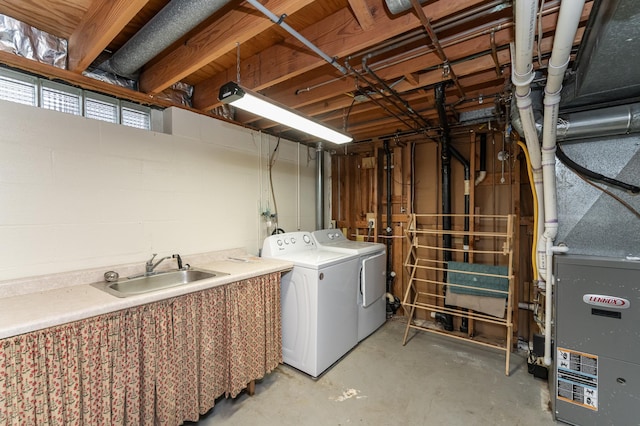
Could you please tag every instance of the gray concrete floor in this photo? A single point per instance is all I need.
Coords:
(433, 380)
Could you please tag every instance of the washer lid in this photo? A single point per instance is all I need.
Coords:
(316, 259)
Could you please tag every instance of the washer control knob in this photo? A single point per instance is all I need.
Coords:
(286, 241)
(330, 235)
(279, 242)
(293, 240)
(306, 239)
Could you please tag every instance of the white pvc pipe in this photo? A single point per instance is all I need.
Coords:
(522, 76)
(525, 15)
(482, 174)
(568, 20)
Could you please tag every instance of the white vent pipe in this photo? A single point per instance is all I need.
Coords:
(522, 76)
(568, 20)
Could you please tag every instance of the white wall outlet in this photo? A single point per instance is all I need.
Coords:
(371, 220)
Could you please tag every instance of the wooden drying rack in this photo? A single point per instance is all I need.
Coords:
(425, 259)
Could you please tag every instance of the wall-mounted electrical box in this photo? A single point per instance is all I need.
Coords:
(371, 220)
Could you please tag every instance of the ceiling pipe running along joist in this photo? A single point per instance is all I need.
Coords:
(319, 186)
(426, 23)
(172, 22)
(279, 20)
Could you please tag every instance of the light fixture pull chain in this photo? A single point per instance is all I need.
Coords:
(238, 62)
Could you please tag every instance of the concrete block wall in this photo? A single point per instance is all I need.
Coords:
(77, 193)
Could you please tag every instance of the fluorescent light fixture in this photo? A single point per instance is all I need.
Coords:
(255, 103)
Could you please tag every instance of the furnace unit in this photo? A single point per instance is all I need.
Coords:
(596, 368)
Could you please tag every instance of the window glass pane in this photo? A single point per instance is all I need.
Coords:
(60, 101)
(17, 91)
(101, 110)
(136, 118)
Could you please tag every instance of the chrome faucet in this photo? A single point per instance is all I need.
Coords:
(150, 266)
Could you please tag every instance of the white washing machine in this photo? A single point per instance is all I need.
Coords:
(318, 296)
(371, 269)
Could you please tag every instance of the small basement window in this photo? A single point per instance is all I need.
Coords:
(60, 97)
(17, 87)
(135, 116)
(31, 90)
(100, 107)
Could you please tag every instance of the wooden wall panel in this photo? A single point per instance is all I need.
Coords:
(499, 193)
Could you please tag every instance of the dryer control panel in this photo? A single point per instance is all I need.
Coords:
(327, 236)
(290, 242)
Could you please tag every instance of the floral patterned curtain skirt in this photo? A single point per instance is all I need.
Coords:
(161, 363)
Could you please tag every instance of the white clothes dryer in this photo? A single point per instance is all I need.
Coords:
(371, 270)
(319, 322)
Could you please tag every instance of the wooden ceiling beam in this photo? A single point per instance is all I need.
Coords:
(362, 12)
(458, 50)
(101, 24)
(338, 35)
(237, 26)
(80, 80)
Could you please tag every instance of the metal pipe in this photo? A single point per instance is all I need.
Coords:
(399, 6)
(441, 25)
(483, 159)
(280, 21)
(405, 104)
(501, 24)
(617, 120)
(389, 230)
(319, 186)
(426, 23)
(467, 178)
(445, 156)
(172, 22)
(377, 101)
(464, 326)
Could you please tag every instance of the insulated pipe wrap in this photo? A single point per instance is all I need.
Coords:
(172, 22)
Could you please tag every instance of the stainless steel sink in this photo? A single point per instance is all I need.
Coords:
(149, 283)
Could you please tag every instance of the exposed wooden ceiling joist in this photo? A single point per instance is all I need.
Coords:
(474, 34)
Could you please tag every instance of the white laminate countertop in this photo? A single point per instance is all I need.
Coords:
(37, 310)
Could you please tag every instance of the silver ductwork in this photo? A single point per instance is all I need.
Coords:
(399, 6)
(613, 121)
(24, 40)
(592, 124)
(606, 66)
(174, 21)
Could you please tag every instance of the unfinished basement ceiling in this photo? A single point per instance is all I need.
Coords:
(392, 64)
